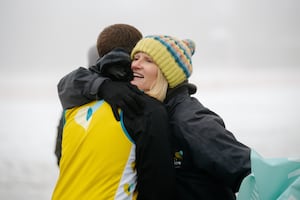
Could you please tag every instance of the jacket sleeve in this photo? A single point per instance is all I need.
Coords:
(155, 172)
(214, 149)
(226, 157)
(79, 87)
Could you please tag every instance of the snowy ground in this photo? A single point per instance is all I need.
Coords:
(261, 107)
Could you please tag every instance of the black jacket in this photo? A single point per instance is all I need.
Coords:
(151, 134)
(210, 163)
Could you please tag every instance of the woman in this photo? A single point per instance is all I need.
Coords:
(210, 163)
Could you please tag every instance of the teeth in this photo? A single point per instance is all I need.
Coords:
(138, 75)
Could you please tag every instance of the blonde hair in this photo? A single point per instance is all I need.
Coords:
(159, 88)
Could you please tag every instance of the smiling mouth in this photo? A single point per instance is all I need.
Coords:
(137, 75)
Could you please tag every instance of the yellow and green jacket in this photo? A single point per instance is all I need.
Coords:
(106, 159)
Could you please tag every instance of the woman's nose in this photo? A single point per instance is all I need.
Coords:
(135, 64)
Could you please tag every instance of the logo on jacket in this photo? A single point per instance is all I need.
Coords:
(178, 158)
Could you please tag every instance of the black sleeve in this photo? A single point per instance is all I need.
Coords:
(154, 163)
(79, 87)
(219, 153)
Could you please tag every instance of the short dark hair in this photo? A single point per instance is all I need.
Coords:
(118, 35)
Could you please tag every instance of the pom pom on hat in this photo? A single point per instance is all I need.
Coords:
(173, 56)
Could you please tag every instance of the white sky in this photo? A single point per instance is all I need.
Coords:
(43, 34)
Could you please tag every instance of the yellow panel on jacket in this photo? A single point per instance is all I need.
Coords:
(97, 156)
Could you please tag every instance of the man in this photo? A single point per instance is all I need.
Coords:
(103, 158)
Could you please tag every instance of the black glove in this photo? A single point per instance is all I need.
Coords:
(122, 95)
(115, 65)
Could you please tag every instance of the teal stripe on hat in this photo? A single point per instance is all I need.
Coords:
(173, 52)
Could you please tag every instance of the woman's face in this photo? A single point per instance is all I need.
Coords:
(144, 71)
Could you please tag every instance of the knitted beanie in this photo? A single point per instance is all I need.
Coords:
(173, 56)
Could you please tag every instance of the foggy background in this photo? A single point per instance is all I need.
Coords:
(246, 68)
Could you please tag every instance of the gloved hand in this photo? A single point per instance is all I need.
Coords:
(122, 95)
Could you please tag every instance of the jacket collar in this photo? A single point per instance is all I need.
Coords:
(182, 89)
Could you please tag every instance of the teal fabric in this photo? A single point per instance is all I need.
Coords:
(271, 179)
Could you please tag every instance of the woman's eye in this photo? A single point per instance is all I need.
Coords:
(149, 60)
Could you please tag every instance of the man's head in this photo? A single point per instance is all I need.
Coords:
(117, 36)
(114, 44)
